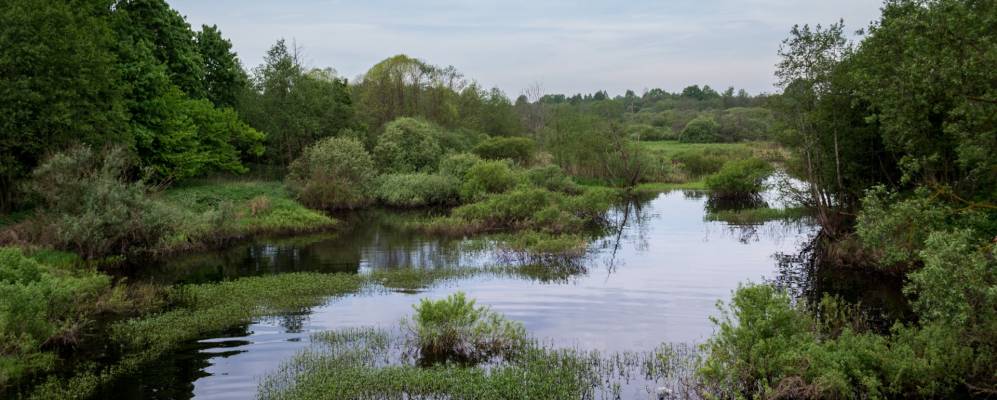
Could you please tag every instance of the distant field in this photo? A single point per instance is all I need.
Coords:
(669, 148)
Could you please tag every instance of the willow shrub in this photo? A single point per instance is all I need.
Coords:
(457, 165)
(92, 207)
(333, 173)
(487, 177)
(417, 190)
(408, 145)
(456, 329)
(537, 208)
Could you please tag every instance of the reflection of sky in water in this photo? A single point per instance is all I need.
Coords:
(658, 283)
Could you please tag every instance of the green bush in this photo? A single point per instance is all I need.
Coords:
(897, 228)
(457, 165)
(766, 347)
(454, 329)
(552, 178)
(417, 190)
(703, 129)
(41, 307)
(92, 207)
(487, 177)
(740, 178)
(460, 140)
(408, 145)
(518, 149)
(704, 161)
(538, 209)
(333, 173)
(650, 132)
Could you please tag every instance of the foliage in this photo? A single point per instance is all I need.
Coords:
(520, 150)
(408, 145)
(767, 347)
(455, 329)
(457, 165)
(536, 208)
(224, 79)
(42, 308)
(703, 129)
(897, 228)
(217, 212)
(333, 173)
(739, 178)
(553, 178)
(417, 190)
(295, 106)
(487, 177)
(93, 209)
(59, 85)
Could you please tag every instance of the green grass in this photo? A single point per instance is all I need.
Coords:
(219, 211)
(669, 148)
(751, 216)
(657, 187)
(358, 363)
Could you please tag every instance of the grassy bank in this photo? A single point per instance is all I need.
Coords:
(684, 166)
(225, 210)
(751, 216)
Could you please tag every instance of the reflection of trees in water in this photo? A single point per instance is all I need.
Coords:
(809, 274)
(628, 225)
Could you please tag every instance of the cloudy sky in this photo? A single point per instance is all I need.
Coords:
(565, 46)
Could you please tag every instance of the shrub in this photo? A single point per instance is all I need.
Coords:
(739, 178)
(552, 178)
(650, 132)
(513, 209)
(454, 329)
(40, 306)
(518, 149)
(704, 161)
(460, 140)
(487, 177)
(333, 173)
(457, 165)
(703, 129)
(417, 190)
(408, 145)
(93, 209)
(897, 228)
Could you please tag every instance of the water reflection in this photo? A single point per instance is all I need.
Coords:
(653, 277)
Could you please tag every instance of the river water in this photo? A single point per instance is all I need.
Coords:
(656, 280)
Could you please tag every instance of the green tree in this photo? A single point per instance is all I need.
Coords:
(294, 106)
(58, 84)
(170, 37)
(408, 145)
(224, 79)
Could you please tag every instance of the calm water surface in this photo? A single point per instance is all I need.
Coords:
(655, 280)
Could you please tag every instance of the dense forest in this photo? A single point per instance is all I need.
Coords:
(126, 135)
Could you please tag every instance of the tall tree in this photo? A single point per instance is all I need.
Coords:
(224, 78)
(58, 83)
(295, 106)
(171, 40)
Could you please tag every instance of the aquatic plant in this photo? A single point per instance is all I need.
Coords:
(740, 178)
(454, 329)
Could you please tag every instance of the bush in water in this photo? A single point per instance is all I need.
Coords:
(455, 329)
(333, 173)
(740, 178)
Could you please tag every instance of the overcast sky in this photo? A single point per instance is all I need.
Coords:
(566, 46)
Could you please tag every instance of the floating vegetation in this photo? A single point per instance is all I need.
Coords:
(369, 363)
